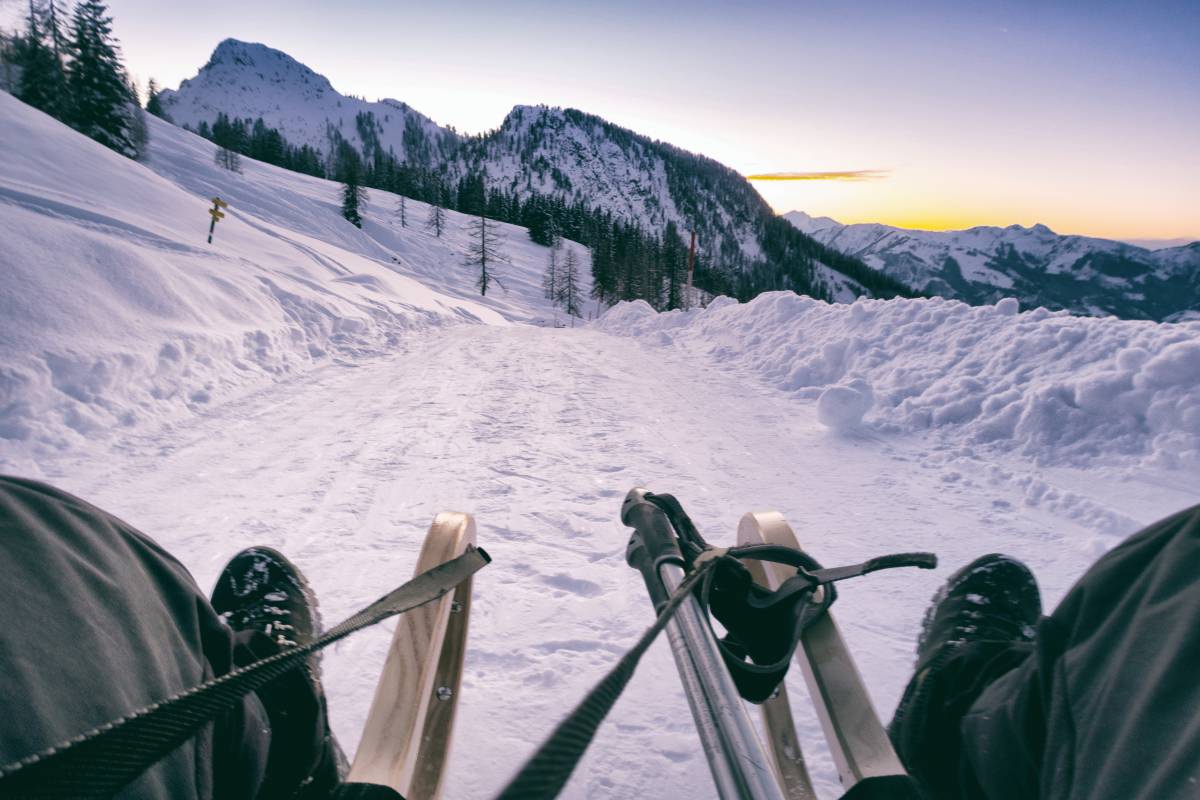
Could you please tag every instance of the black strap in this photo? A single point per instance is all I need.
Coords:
(365, 791)
(764, 626)
(98, 763)
(547, 771)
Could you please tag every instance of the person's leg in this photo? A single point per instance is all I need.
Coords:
(99, 622)
(1110, 704)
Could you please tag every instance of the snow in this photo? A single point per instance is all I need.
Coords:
(116, 312)
(1055, 388)
(326, 391)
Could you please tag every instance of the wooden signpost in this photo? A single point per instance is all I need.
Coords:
(216, 214)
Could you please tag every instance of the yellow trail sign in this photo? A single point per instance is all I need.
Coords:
(216, 214)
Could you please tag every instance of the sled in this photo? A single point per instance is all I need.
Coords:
(409, 725)
(857, 740)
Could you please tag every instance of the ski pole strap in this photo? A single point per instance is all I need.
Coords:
(547, 771)
(764, 626)
(98, 763)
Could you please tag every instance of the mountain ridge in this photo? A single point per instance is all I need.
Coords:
(584, 163)
(1083, 274)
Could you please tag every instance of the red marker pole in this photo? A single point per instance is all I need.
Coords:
(687, 298)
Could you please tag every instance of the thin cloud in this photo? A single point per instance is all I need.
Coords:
(829, 175)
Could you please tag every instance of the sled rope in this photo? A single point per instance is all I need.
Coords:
(100, 762)
(547, 771)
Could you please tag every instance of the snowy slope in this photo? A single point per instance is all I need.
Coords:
(116, 313)
(980, 265)
(310, 205)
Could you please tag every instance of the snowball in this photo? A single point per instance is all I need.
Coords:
(841, 408)
(1008, 307)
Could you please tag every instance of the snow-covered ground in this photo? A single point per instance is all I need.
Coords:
(381, 391)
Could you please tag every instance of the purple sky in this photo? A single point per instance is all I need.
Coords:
(1082, 116)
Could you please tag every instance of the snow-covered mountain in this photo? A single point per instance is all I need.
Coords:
(980, 265)
(550, 152)
(246, 80)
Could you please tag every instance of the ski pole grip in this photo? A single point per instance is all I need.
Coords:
(653, 540)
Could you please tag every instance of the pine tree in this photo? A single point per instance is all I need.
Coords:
(437, 219)
(139, 134)
(571, 299)
(484, 251)
(55, 25)
(227, 136)
(154, 102)
(352, 202)
(550, 281)
(402, 211)
(8, 57)
(41, 85)
(349, 169)
(101, 103)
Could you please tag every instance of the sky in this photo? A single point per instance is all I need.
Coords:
(939, 115)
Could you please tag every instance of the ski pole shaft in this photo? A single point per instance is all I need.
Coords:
(740, 766)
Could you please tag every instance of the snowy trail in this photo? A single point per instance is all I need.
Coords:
(539, 433)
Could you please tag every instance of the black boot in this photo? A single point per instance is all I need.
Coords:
(267, 601)
(980, 625)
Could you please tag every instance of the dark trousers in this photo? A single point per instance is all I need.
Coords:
(1104, 704)
(99, 621)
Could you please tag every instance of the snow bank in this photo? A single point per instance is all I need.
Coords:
(114, 311)
(1056, 388)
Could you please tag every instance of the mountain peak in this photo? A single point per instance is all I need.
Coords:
(808, 223)
(270, 65)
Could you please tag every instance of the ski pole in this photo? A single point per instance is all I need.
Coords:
(740, 766)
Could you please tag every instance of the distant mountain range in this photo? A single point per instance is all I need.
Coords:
(577, 158)
(1036, 265)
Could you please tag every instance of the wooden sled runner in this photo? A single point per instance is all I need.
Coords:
(409, 726)
(859, 744)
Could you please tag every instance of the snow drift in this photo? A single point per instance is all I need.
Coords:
(1055, 387)
(114, 311)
